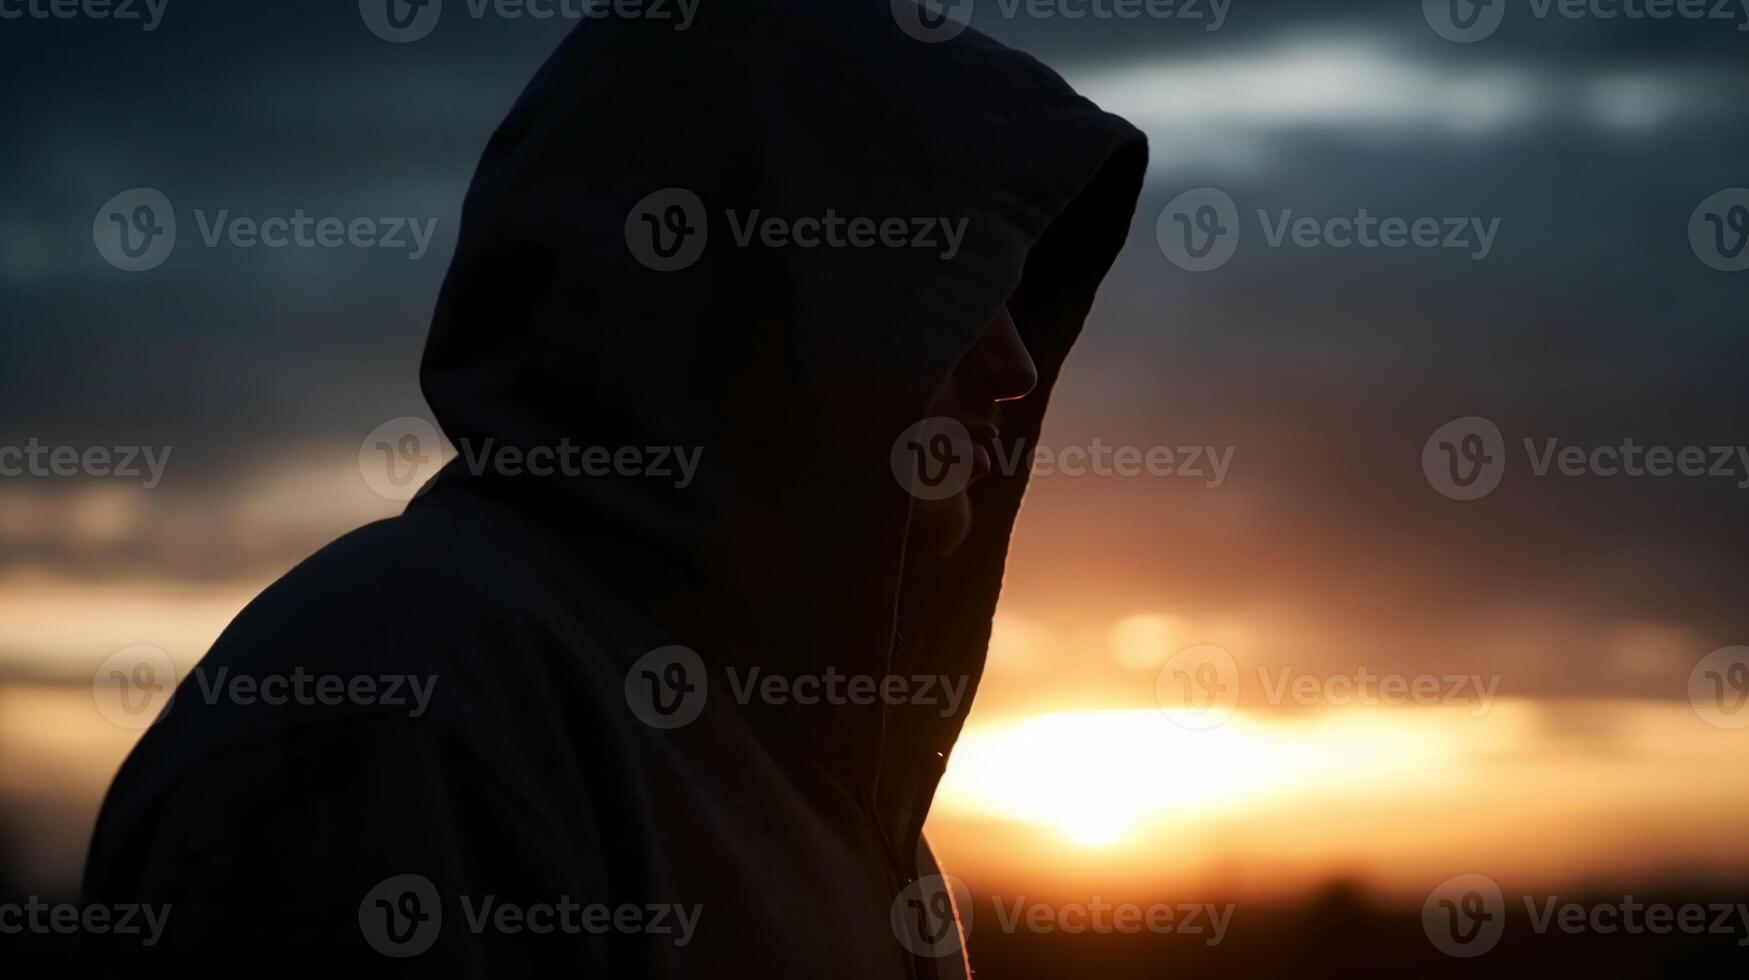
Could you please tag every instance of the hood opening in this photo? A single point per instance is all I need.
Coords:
(790, 370)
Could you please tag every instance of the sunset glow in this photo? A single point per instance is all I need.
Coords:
(1096, 775)
(1395, 796)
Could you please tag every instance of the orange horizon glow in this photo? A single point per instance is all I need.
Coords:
(1070, 775)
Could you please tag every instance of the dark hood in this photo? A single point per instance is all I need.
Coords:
(792, 369)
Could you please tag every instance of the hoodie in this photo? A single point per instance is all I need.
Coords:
(630, 760)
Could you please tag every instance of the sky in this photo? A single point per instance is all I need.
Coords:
(1584, 145)
(1570, 154)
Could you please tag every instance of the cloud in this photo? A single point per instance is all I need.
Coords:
(1231, 111)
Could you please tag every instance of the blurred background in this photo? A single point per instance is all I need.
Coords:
(1574, 743)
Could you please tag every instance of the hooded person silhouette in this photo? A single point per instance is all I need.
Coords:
(671, 727)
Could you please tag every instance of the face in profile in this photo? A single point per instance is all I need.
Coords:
(995, 369)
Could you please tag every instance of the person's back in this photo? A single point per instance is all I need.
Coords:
(633, 689)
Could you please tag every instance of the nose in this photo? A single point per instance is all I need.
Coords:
(999, 365)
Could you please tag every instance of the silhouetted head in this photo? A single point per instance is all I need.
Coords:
(802, 379)
(996, 368)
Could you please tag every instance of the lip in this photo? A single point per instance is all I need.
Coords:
(984, 435)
